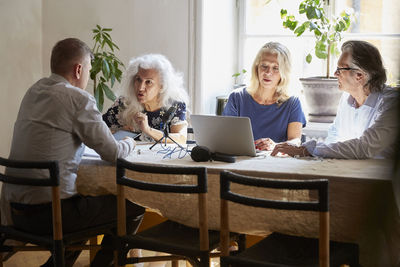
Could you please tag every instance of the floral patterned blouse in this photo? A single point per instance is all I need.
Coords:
(111, 117)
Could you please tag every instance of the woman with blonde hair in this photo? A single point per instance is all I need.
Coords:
(150, 87)
(275, 116)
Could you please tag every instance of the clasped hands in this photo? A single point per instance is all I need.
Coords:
(290, 148)
(141, 120)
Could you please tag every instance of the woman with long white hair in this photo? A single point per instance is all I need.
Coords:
(275, 116)
(150, 87)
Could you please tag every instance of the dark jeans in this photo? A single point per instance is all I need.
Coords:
(78, 213)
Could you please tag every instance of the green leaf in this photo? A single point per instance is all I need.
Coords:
(107, 29)
(110, 44)
(302, 8)
(112, 80)
(106, 69)
(321, 50)
(313, 26)
(299, 31)
(309, 58)
(317, 32)
(99, 96)
(342, 25)
(109, 94)
(236, 74)
(283, 13)
(318, 13)
(310, 12)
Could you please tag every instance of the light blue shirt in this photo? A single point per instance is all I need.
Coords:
(364, 132)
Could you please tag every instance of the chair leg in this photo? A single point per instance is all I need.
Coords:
(241, 242)
(175, 263)
(58, 254)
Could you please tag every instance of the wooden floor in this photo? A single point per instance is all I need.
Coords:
(35, 259)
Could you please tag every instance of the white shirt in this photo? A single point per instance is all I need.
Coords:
(54, 120)
(364, 132)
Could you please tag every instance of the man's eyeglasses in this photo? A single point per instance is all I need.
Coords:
(340, 69)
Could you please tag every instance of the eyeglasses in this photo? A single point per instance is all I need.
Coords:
(338, 70)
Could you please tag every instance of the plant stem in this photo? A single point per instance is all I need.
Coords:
(328, 60)
(94, 84)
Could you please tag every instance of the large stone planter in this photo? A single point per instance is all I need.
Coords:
(322, 96)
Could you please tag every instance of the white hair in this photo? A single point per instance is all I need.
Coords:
(172, 88)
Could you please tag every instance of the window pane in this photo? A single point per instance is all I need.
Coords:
(263, 17)
(389, 49)
(373, 16)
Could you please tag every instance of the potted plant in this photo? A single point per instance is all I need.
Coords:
(322, 93)
(238, 83)
(106, 67)
(239, 78)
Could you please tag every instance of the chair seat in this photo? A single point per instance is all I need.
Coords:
(47, 240)
(9, 232)
(286, 250)
(172, 238)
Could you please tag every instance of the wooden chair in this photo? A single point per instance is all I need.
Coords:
(58, 242)
(182, 242)
(279, 249)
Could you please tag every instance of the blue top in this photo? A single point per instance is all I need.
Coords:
(266, 120)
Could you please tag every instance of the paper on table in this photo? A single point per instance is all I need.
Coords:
(90, 153)
(121, 134)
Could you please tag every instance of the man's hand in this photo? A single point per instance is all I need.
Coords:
(264, 144)
(290, 150)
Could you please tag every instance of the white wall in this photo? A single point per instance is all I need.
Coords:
(31, 28)
(139, 26)
(21, 61)
(198, 36)
(218, 48)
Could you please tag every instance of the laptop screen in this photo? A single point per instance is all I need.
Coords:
(224, 134)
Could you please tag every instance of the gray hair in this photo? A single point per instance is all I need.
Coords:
(172, 88)
(366, 57)
(66, 53)
(283, 56)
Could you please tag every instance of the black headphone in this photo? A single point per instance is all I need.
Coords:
(202, 153)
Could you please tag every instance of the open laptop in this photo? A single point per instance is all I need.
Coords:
(224, 134)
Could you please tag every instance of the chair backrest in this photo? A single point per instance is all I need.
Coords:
(199, 188)
(320, 205)
(52, 181)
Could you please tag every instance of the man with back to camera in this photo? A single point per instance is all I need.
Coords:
(366, 124)
(56, 117)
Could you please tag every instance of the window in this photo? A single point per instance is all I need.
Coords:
(260, 22)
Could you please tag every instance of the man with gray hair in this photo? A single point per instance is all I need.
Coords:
(56, 118)
(366, 124)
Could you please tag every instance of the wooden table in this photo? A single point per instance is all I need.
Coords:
(362, 205)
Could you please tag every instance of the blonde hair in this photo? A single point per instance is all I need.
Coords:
(172, 88)
(284, 61)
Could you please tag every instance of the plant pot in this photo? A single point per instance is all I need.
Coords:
(221, 103)
(322, 96)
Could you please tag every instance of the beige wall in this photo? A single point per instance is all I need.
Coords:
(30, 29)
(140, 26)
(21, 61)
(196, 35)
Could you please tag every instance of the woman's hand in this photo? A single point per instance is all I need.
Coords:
(142, 121)
(264, 144)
